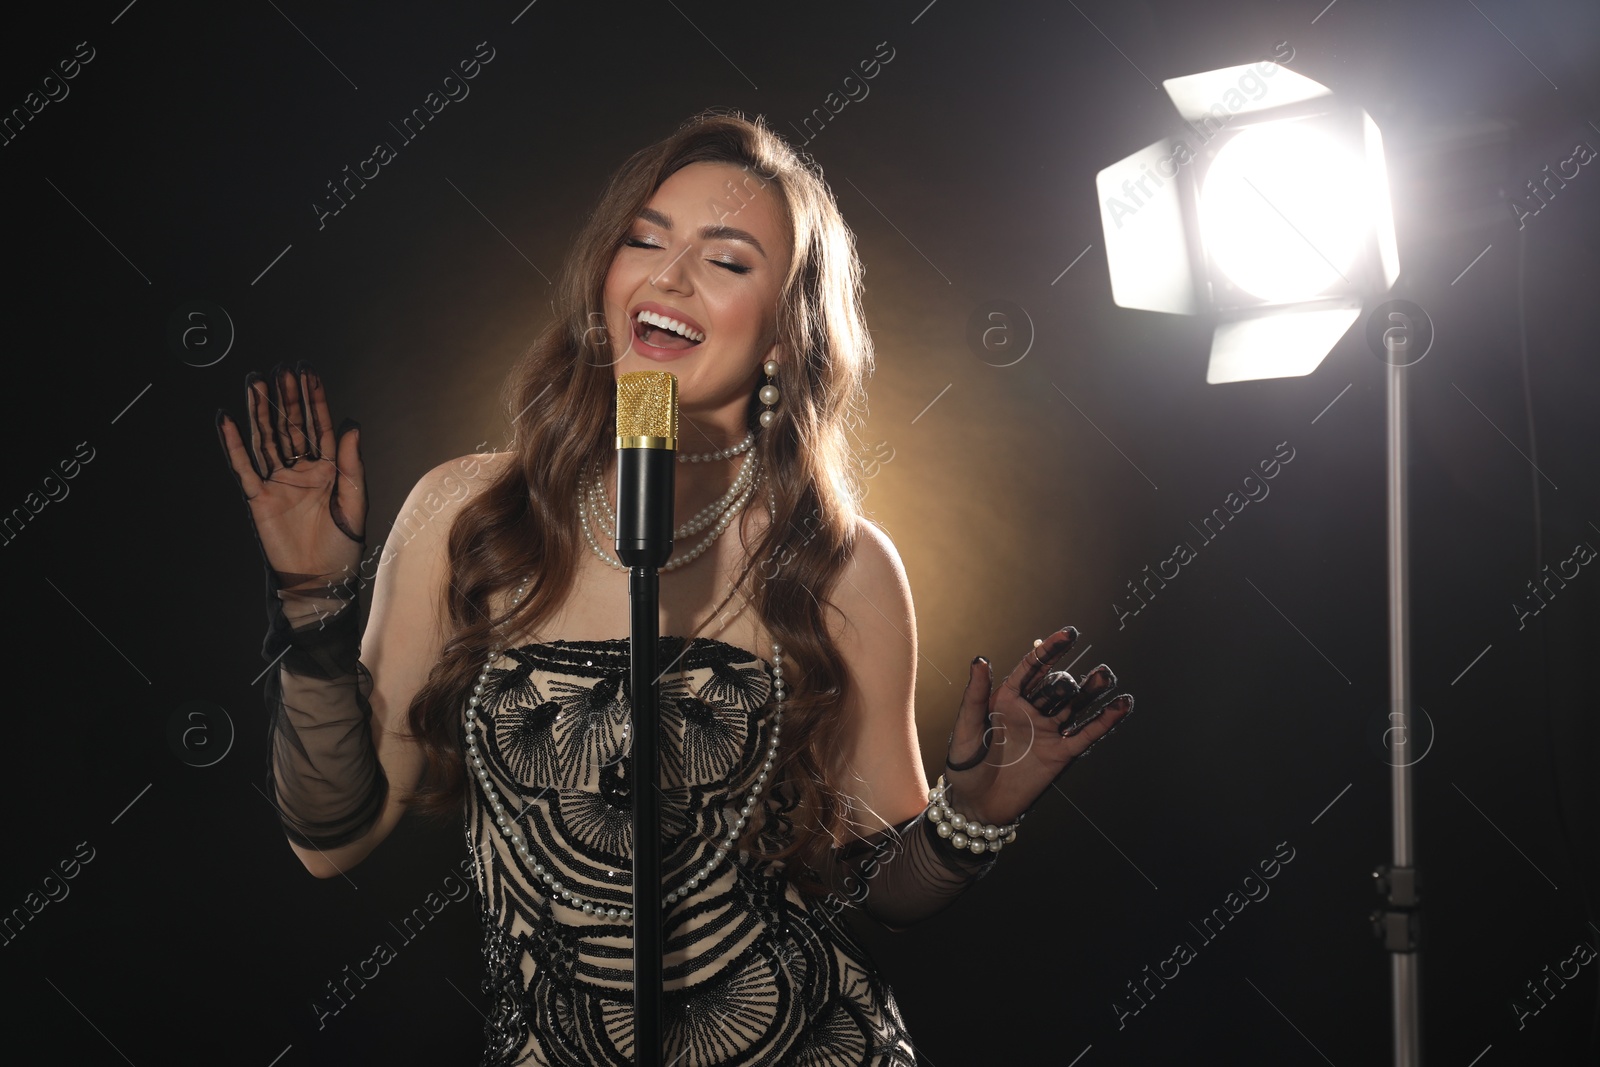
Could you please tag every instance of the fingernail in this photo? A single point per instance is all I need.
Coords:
(1070, 631)
(221, 414)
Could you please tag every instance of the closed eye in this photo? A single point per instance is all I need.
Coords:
(737, 268)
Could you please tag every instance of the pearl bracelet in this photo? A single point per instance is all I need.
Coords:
(964, 833)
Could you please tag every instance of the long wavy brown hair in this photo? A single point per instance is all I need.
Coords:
(525, 521)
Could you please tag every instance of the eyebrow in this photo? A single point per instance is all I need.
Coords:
(708, 233)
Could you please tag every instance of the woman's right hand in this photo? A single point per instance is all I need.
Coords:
(306, 488)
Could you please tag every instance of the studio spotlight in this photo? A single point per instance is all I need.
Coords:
(1269, 211)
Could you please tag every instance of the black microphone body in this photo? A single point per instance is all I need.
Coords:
(644, 505)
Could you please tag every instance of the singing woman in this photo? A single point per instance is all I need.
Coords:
(491, 683)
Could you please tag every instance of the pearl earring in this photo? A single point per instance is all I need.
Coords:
(769, 393)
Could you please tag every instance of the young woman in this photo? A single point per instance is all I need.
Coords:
(491, 679)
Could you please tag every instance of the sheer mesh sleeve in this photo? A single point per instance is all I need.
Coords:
(323, 773)
(903, 874)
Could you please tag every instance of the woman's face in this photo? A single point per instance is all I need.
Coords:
(710, 250)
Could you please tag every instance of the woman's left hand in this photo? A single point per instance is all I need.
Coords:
(1010, 744)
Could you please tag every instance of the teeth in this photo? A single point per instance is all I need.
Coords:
(682, 329)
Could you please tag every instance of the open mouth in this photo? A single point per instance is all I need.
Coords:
(664, 332)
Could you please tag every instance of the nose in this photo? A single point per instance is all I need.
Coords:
(674, 277)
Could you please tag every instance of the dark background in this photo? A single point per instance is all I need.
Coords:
(186, 159)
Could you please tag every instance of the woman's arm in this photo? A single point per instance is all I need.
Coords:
(897, 867)
(879, 764)
(340, 701)
(890, 865)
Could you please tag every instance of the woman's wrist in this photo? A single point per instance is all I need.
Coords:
(315, 608)
(959, 796)
(315, 599)
(962, 832)
(960, 860)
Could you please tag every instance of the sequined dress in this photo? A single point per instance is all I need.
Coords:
(754, 972)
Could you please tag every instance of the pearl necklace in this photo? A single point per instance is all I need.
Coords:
(594, 499)
(509, 829)
(726, 453)
(705, 517)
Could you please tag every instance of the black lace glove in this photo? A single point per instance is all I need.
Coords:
(324, 775)
(304, 489)
(1013, 743)
(903, 874)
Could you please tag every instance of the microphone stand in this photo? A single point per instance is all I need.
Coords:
(645, 686)
(647, 420)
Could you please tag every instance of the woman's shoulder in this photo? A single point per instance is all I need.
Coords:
(459, 478)
(456, 480)
(433, 503)
(874, 573)
(873, 549)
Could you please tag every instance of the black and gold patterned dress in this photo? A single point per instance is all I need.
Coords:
(754, 973)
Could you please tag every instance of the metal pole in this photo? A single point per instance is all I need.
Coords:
(1399, 882)
(644, 595)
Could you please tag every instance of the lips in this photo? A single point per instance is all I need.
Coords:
(678, 345)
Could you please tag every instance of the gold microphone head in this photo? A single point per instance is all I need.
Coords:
(647, 410)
